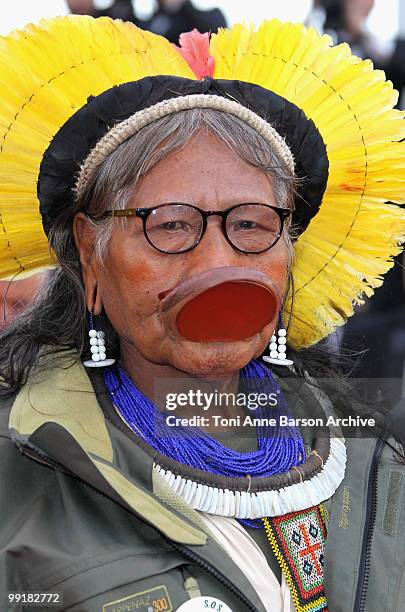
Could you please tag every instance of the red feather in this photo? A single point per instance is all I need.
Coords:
(194, 48)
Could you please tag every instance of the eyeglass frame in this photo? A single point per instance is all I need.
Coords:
(144, 213)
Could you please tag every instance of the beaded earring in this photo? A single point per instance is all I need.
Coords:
(278, 346)
(97, 346)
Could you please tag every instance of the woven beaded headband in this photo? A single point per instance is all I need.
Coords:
(125, 129)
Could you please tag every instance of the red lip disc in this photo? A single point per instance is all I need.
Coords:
(228, 312)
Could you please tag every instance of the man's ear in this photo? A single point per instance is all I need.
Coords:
(84, 235)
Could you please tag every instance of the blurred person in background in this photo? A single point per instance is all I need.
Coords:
(16, 295)
(170, 19)
(346, 21)
(379, 326)
(119, 9)
(173, 17)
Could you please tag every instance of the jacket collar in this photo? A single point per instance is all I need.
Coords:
(56, 418)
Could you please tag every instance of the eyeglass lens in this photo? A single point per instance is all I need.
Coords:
(174, 228)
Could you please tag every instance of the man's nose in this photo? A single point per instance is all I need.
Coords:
(214, 250)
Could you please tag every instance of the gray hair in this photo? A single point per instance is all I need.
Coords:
(57, 319)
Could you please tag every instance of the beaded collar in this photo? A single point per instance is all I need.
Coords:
(303, 485)
(270, 497)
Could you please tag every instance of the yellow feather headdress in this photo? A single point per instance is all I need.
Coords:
(49, 71)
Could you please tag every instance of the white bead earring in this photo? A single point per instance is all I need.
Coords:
(278, 347)
(97, 346)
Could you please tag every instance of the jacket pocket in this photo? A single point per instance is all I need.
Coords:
(387, 558)
(143, 582)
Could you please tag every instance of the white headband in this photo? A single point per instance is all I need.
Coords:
(123, 130)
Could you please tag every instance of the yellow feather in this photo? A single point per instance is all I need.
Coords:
(47, 72)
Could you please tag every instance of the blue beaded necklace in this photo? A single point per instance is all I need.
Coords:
(279, 448)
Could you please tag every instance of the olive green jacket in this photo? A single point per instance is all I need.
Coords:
(82, 513)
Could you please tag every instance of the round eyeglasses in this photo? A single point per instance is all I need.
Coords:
(177, 228)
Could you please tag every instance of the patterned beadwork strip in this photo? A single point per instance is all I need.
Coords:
(297, 540)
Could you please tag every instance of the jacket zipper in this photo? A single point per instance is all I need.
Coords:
(211, 570)
(371, 512)
(35, 455)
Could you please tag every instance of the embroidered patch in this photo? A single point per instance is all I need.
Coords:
(151, 600)
(392, 505)
(344, 521)
(298, 541)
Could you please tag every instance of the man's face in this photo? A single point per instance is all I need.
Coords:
(207, 174)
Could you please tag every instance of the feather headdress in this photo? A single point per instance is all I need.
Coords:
(55, 74)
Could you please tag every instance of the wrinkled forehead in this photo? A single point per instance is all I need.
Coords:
(205, 171)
